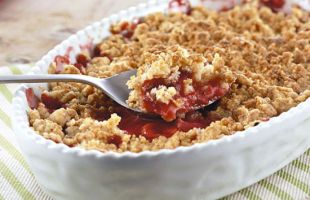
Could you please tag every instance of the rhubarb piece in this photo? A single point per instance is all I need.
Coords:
(32, 99)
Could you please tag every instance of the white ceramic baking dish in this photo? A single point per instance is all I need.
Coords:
(202, 171)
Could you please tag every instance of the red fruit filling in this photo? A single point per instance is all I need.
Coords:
(151, 127)
(82, 60)
(127, 28)
(273, 4)
(202, 94)
(51, 103)
(114, 139)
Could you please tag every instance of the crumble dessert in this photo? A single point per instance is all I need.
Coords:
(260, 57)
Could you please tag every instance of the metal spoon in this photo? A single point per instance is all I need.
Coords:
(115, 87)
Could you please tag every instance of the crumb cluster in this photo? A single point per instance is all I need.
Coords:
(265, 54)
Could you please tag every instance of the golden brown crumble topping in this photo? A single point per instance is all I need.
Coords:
(263, 54)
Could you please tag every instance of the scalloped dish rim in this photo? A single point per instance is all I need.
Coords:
(22, 119)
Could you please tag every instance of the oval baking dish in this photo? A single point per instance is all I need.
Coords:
(202, 171)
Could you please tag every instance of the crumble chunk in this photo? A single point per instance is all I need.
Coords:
(164, 94)
(48, 129)
(62, 116)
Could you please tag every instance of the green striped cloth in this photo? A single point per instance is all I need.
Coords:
(17, 181)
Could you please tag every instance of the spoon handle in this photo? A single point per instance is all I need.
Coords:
(47, 78)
